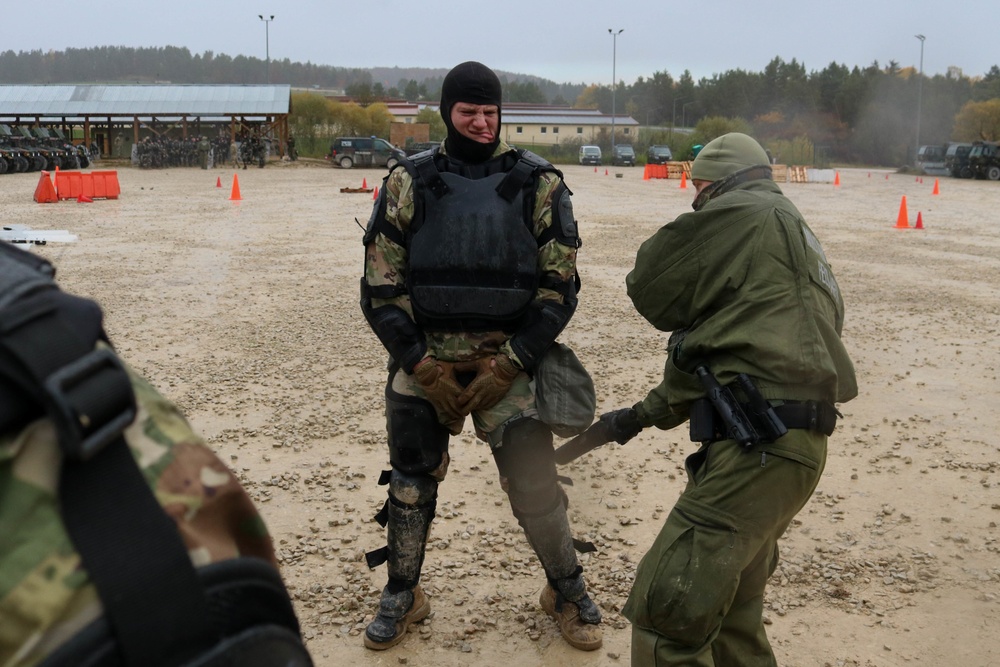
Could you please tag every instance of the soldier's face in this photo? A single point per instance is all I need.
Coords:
(479, 122)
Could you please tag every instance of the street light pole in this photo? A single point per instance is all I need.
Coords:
(267, 41)
(614, 57)
(673, 118)
(684, 108)
(920, 94)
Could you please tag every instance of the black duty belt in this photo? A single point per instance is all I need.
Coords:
(820, 416)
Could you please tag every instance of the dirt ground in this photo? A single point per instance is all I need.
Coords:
(245, 313)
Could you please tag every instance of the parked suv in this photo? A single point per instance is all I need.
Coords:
(590, 155)
(623, 155)
(659, 155)
(364, 152)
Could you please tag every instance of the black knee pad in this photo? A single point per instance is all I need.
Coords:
(417, 440)
(526, 458)
(412, 490)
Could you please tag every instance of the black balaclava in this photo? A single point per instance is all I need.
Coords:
(472, 83)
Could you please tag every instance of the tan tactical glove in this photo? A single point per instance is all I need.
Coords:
(494, 377)
(437, 379)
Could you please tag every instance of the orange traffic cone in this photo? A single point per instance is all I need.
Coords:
(595, 170)
(903, 219)
(920, 221)
(375, 194)
(235, 196)
(836, 178)
(684, 180)
(887, 177)
(605, 172)
(44, 192)
(84, 199)
(937, 190)
(218, 181)
(364, 183)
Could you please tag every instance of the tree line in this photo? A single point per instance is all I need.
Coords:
(863, 115)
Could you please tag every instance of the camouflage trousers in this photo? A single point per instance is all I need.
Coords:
(489, 424)
(698, 595)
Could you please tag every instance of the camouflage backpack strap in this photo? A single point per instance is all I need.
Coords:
(49, 351)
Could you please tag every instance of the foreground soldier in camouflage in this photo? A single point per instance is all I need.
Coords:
(470, 275)
(747, 292)
(48, 596)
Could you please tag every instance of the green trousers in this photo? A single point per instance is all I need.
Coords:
(698, 595)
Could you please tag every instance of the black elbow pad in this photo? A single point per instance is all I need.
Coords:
(545, 321)
(396, 330)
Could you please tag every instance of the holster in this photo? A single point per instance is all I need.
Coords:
(820, 416)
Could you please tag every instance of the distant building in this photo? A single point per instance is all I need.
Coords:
(532, 124)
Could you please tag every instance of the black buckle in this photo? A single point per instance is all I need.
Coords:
(92, 403)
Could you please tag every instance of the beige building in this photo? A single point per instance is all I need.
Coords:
(529, 125)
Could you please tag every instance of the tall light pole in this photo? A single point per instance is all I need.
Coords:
(920, 94)
(267, 41)
(614, 56)
(673, 118)
(684, 108)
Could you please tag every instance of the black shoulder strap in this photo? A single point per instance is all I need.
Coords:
(126, 541)
(421, 166)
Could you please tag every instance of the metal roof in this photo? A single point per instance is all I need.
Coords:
(514, 119)
(144, 100)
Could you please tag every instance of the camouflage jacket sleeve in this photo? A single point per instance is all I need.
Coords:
(45, 595)
(385, 260)
(557, 273)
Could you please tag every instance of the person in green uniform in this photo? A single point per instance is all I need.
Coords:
(745, 288)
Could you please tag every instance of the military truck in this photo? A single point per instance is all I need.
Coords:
(984, 160)
(956, 159)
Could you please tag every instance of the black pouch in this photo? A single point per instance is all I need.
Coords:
(702, 421)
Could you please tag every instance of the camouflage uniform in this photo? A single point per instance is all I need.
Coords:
(385, 264)
(45, 595)
(520, 442)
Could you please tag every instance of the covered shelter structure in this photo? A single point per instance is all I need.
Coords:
(92, 113)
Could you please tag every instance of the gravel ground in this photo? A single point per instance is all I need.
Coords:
(245, 313)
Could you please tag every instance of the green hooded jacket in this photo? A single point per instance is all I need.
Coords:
(745, 286)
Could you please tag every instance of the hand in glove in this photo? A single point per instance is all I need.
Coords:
(621, 425)
(494, 376)
(437, 379)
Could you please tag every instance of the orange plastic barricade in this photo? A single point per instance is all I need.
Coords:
(97, 184)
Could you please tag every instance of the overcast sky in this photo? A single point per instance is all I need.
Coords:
(563, 41)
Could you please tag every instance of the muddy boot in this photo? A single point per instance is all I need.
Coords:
(396, 611)
(574, 612)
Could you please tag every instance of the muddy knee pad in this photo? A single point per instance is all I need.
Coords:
(417, 440)
(527, 460)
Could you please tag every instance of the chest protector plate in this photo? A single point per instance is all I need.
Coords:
(473, 262)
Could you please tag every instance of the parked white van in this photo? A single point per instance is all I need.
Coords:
(590, 155)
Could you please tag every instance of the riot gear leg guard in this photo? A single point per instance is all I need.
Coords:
(418, 451)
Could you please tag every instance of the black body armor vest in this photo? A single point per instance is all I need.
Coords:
(473, 260)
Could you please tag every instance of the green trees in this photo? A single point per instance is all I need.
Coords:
(315, 121)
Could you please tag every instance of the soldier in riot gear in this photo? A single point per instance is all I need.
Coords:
(470, 275)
